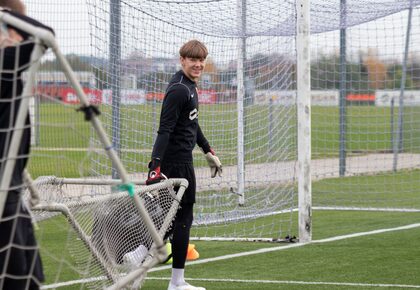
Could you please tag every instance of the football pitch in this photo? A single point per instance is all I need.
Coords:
(369, 129)
(350, 249)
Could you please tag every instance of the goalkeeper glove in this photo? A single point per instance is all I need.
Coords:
(154, 175)
(214, 163)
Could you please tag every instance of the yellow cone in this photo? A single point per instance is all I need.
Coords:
(169, 253)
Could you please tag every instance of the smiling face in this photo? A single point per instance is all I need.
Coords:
(193, 56)
(193, 67)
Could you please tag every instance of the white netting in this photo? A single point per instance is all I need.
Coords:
(85, 239)
(252, 45)
(150, 41)
(374, 138)
(107, 237)
(365, 149)
(20, 266)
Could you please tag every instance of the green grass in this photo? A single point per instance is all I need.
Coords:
(368, 130)
(53, 235)
(386, 258)
(382, 258)
(401, 188)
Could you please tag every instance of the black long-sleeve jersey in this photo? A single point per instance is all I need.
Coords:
(15, 59)
(179, 130)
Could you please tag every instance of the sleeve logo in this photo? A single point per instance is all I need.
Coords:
(194, 114)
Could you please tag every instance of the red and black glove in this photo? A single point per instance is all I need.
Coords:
(154, 175)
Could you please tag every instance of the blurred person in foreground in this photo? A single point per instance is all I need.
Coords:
(20, 262)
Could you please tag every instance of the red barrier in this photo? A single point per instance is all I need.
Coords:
(204, 96)
(68, 94)
(360, 98)
(155, 96)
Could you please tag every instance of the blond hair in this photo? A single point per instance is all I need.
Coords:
(193, 49)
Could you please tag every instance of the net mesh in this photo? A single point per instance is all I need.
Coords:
(19, 253)
(378, 133)
(371, 153)
(149, 58)
(82, 219)
(106, 236)
(252, 45)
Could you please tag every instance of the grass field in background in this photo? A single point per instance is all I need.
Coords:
(368, 130)
(383, 258)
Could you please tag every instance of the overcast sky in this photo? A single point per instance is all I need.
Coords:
(71, 23)
(69, 19)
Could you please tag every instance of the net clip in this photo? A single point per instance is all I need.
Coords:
(129, 187)
(89, 111)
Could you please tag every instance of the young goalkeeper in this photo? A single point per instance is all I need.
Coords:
(20, 263)
(172, 156)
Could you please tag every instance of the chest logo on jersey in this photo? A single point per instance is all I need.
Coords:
(193, 114)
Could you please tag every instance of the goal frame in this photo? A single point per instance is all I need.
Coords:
(155, 254)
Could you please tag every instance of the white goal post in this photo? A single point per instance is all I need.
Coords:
(304, 120)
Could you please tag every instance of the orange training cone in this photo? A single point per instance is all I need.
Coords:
(192, 253)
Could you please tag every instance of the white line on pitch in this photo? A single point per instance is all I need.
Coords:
(294, 282)
(280, 248)
(262, 251)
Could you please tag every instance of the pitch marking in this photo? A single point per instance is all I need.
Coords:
(280, 248)
(293, 282)
(267, 250)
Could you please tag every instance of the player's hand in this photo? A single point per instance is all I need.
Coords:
(154, 175)
(214, 163)
(9, 37)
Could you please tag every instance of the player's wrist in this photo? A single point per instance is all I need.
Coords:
(206, 148)
(154, 163)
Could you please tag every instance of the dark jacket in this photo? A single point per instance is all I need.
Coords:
(179, 130)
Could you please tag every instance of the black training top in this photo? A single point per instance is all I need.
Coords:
(179, 130)
(15, 60)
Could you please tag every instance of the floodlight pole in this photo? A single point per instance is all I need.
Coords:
(115, 72)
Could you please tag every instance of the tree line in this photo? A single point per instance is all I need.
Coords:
(261, 71)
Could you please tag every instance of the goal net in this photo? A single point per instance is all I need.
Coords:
(364, 95)
(247, 99)
(365, 114)
(87, 223)
(364, 100)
